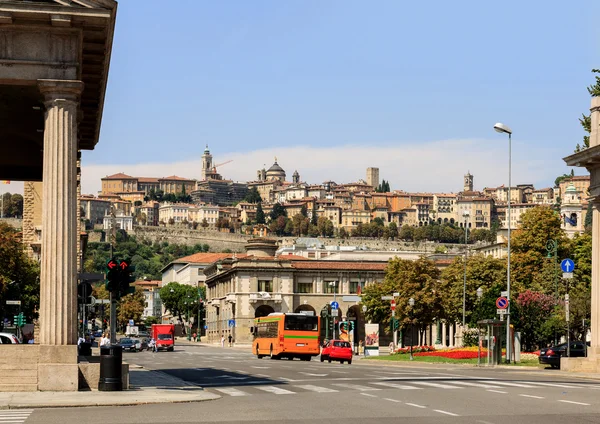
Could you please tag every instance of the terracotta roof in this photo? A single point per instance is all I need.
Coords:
(293, 257)
(337, 265)
(119, 176)
(203, 258)
(148, 180)
(149, 283)
(175, 177)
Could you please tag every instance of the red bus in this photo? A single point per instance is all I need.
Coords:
(280, 335)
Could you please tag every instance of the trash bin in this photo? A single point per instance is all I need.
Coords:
(110, 369)
(85, 349)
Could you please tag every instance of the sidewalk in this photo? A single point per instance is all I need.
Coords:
(145, 387)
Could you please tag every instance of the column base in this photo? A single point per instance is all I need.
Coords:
(588, 365)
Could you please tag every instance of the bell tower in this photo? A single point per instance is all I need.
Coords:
(468, 182)
(206, 163)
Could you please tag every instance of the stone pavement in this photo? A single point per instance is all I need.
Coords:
(145, 387)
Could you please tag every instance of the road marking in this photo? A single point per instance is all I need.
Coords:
(531, 396)
(497, 391)
(340, 372)
(314, 375)
(368, 394)
(415, 405)
(356, 387)
(446, 412)
(262, 375)
(275, 390)
(566, 386)
(482, 385)
(575, 403)
(15, 417)
(232, 392)
(507, 383)
(397, 386)
(438, 385)
(260, 368)
(317, 389)
(393, 400)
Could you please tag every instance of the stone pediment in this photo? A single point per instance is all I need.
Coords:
(90, 4)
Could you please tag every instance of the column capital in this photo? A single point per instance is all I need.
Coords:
(68, 90)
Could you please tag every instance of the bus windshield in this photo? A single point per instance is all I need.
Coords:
(301, 323)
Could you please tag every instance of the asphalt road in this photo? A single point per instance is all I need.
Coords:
(282, 391)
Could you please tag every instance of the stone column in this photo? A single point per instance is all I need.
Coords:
(444, 329)
(595, 313)
(451, 329)
(58, 295)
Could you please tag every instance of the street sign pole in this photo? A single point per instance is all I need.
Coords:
(113, 319)
(568, 329)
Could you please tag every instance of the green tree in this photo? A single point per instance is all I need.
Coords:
(260, 214)
(304, 211)
(278, 210)
(406, 233)
(594, 89)
(300, 224)
(131, 306)
(253, 196)
(392, 230)
(179, 298)
(325, 226)
(536, 318)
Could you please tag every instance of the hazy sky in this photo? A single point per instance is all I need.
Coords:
(334, 87)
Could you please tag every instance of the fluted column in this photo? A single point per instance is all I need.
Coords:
(595, 312)
(58, 295)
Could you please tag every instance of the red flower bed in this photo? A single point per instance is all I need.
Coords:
(455, 354)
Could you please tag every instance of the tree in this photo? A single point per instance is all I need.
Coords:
(260, 214)
(304, 211)
(586, 120)
(594, 89)
(535, 312)
(530, 266)
(278, 210)
(253, 196)
(392, 230)
(178, 299)
(12, 205)
(131, 306)
(19, 275)
(325, 226)
(300, 224)
(406, 233)
(278, 226)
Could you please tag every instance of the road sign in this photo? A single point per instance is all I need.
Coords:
(567, 275)
(206, 327)
(231, 323)
(131, 323)
(351, 298)
(393, 305)
(396, 294)
(91, 277)
(335, 305)
(501, 311)
(504, 293)
(387, 297)
(13, 302)
(502, 303)
(92, 301)
(567, 265)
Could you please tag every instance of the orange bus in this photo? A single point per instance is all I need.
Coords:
(280, 335)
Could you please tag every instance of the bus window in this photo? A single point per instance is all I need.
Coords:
(301, 323)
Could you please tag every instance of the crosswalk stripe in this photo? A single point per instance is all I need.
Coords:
(565, 386)
(396, 386)
(232, 392)
(507, 383)
(482, 385)
(356, 387)
(438, 385)
(317, 389)
(274, 390)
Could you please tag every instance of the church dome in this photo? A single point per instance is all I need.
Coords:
(571, 189)
(275, 172)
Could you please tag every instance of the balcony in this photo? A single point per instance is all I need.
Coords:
(265, 297)
(230, 298)
(480, 218)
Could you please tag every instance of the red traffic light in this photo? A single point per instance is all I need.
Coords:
(123, 265)
(112, 264)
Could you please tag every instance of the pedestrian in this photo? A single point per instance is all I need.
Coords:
(195, 336)
(104, 341)
(152, 345)
(230, 338)
(222, 340)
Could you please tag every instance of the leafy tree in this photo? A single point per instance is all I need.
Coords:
(325, 226)
(253, 196)
(12, 205)
(406, 233)
(131, 306)
(178, 298)
(313, 230)
(204, 223)
(588, 218)
(342, 233)
(558, 179)
(314, 219)
(594, 89)
(581, 253)
(149, 320)
(300, 224)
(533, 310)
(19, 275)
(304, 211)
(260, 214)
(278, 226)
(278, 210)
(392, 230)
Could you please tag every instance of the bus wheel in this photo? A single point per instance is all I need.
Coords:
(259, 356)
(290, 358)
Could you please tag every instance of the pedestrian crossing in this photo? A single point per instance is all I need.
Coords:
(14, 416)
(335, 387)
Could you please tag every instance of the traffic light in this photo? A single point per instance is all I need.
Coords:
(395, 324)
(113, 277)
(126, 279)
(84, 293)
(19, 320)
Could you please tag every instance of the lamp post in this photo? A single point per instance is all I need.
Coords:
(501, 128)
(411, 302)
(466, 216)
(333, 317)
(552, 248)
(479, 296)
(364, 309)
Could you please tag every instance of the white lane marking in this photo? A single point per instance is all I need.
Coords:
(393, 400)
(275, 390)
(261, 375)
(497, 391)
(446, 412)
(437, 385)
(317, 389)
(399, 372)
(14, 417)
(355, 387)
(313, 375)
(507, 383)
(368, 394)
(482, 385)
(540, 383)
(260, 368)
(222, 383)
(415, 405)
(397, 386)
(575, 403)
(531, 396)
(232, 392)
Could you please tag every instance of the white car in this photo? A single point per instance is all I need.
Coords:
(8, 338)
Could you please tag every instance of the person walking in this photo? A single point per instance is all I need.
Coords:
(222, 340)
(230, 338)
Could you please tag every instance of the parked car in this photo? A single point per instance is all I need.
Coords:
(128, 344)
(551, 355)
(97, 334)
(141, 344)
(8, 338)
(145, 334)
(337, 350)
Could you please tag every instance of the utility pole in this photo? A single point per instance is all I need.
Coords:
(112, 298)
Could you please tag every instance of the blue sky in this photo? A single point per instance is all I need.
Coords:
(333, 87)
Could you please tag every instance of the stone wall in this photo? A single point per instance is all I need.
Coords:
(218, 241)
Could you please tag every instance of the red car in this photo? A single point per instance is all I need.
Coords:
(337, 350)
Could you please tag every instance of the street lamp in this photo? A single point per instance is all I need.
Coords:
(334, 285)
(479, 296)
(466, 216)
(552, 248)
(501, 128)
(364, 309)
(411, 302)
(479, 293)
